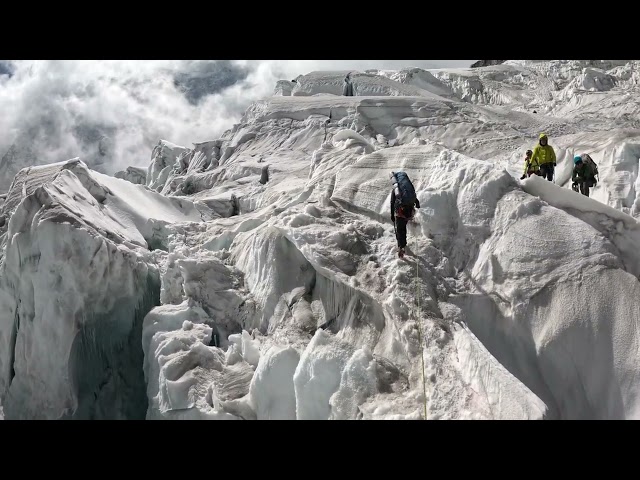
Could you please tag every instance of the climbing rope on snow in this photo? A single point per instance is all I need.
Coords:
(415, 280)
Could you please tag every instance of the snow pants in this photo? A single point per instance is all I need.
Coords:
(546, 171)
(401, 231)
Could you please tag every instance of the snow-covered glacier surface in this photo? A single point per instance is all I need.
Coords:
(255, 276)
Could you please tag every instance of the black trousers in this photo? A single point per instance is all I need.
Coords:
(546, 171)
(584, 187)
(401, 231)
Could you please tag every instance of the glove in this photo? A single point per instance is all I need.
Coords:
(523, 176)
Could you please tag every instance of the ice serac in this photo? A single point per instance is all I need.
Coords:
(75, 285)
(272, 391)
(318, 374)
(29, 179)
(180, 367)
(365, 85)
(284, 88)
(71, 341)
(163, 158)
(135, 175)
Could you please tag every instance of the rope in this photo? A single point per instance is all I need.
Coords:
(424, 385)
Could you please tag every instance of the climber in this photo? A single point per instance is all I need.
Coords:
(403, 201)
(545, 156)
(347, 88)
(583, 175)
(530, 167)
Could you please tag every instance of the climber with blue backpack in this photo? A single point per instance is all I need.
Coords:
(403, 201)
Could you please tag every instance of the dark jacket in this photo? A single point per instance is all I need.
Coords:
(404, 213)
(583, 174)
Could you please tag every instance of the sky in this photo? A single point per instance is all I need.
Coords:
(112, 113)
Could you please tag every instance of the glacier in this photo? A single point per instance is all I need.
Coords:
(255, 276)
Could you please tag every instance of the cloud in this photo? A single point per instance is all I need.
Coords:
(6, 68)
(111, 113)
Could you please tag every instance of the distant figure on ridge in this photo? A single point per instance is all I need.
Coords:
(403, 201)
(347, 88)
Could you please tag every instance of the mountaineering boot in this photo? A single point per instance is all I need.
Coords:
(401, 252)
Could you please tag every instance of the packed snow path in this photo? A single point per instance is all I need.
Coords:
(256, 277)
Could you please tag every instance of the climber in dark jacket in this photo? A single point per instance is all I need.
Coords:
(400, 216)
(583, 176)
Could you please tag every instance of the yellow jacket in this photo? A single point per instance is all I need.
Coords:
(543, 155)
(531, 164)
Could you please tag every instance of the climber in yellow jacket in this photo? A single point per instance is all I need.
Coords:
(530, 167)
(545, 156)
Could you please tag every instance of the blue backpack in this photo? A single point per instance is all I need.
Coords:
(405, 193)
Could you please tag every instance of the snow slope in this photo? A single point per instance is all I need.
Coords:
(255, 276)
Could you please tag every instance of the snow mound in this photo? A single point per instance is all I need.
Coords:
(617, 227)
(344, 135)
(537, 306)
